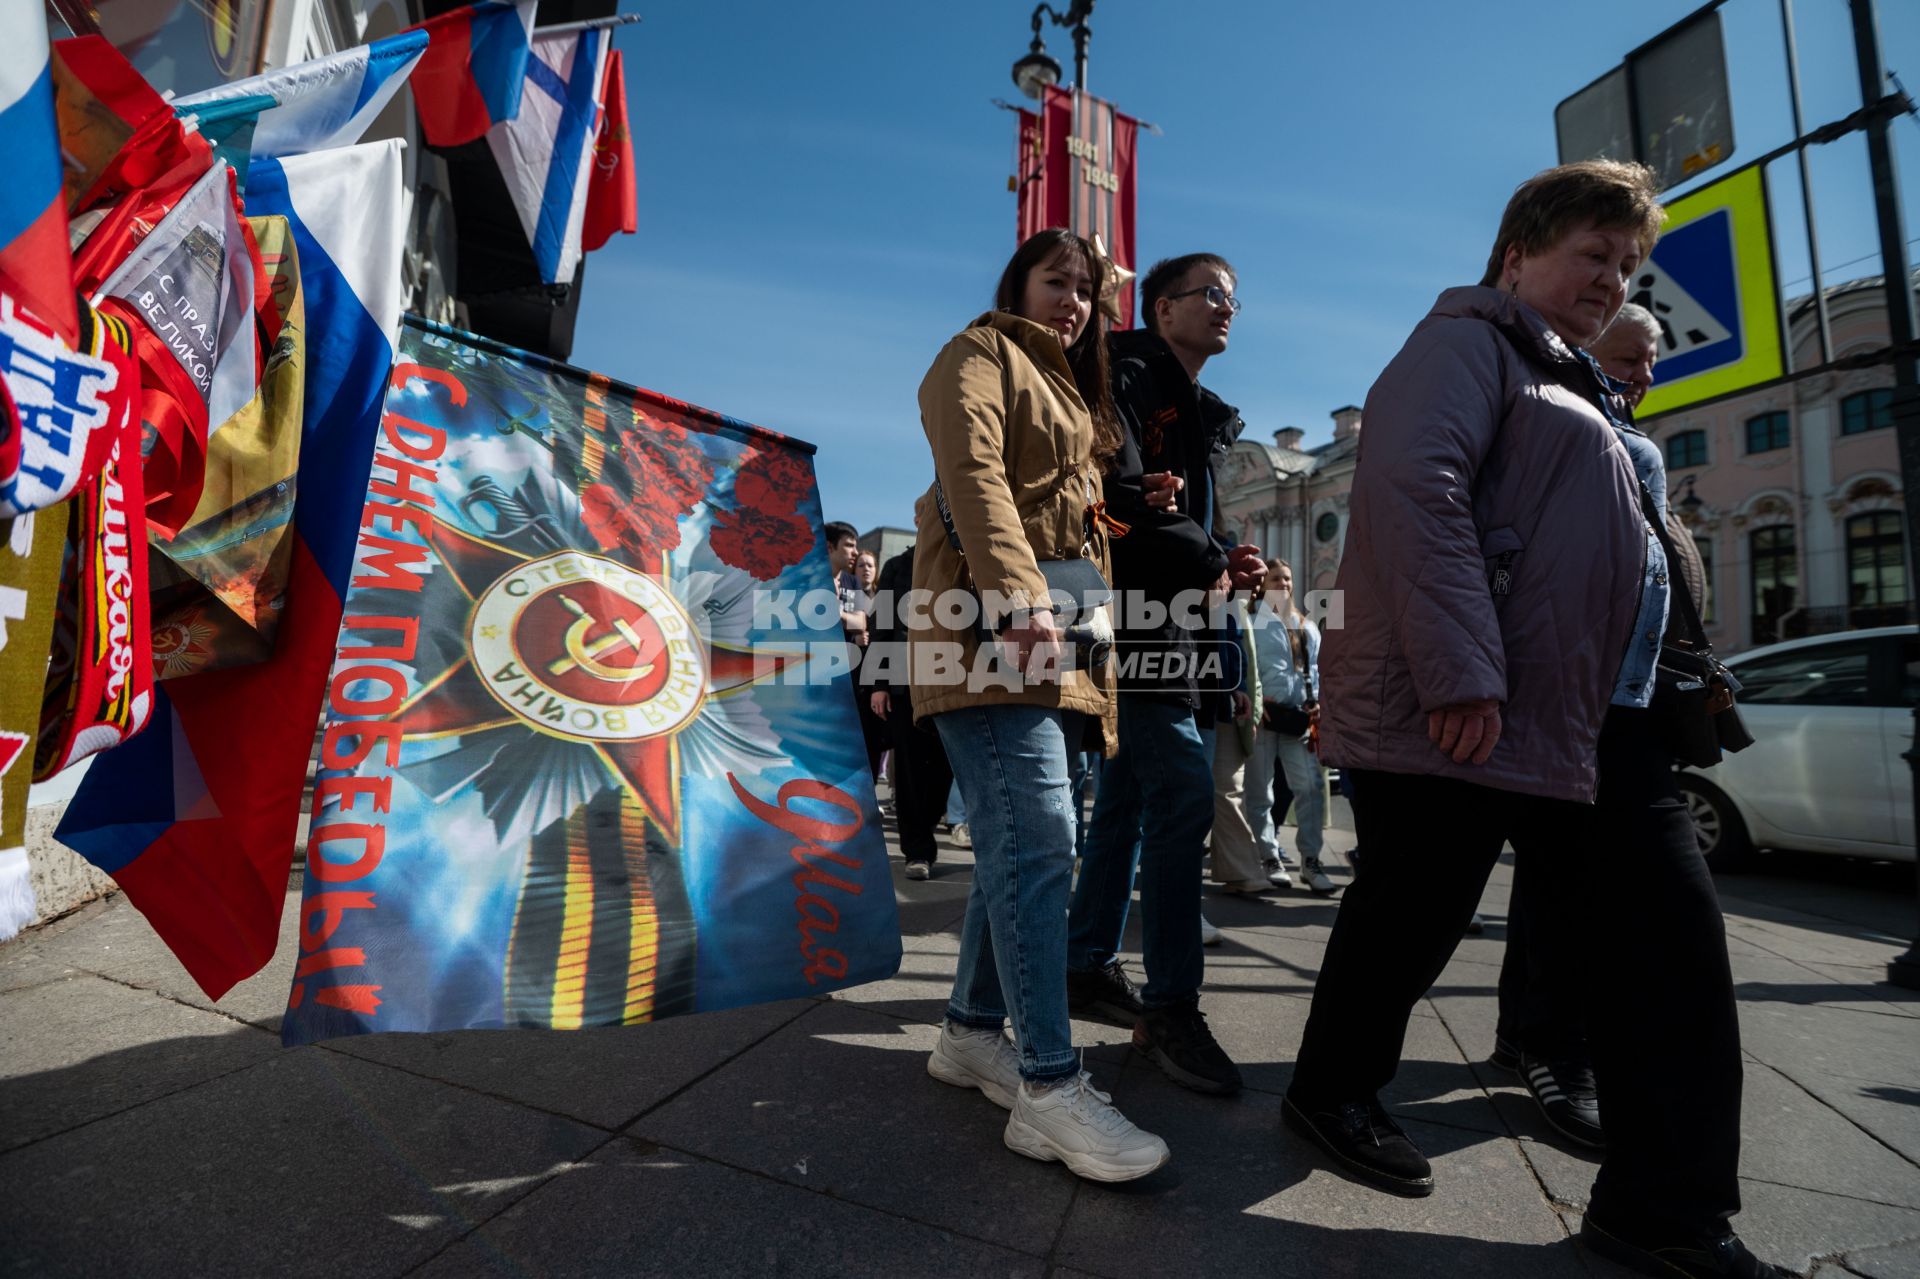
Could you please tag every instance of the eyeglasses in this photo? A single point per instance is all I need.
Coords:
(1216, 297)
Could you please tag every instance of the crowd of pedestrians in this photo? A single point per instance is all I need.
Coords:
(1506, 581)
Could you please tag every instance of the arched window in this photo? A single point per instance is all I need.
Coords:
(1767, 432)
(1688, 448)
(1773, 554)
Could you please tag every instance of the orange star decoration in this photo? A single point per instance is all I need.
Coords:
(1117, 278)
(585, 649)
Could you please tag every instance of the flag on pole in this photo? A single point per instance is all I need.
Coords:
(472, 74)
(613, 205)
(196, 817)
(328, 102)
(35, 266)
(546, 153)
(1088, 162)
(573, 774)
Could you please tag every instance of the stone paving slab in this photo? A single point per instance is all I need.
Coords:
(1260, 1201)
(117, 942)
(1867, 1067)
(840, 1102)
(80, 1048)
(636, 1211)
(605, 1077)
(311, 1163)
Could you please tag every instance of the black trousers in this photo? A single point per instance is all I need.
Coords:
(1539, 1012)
(1623, 882)
(921, 778)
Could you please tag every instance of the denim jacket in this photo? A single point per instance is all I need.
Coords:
(1635, 684)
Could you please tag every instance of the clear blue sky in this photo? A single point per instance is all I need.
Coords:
(823, 185)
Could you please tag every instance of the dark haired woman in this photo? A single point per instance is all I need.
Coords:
(1505, 601)
(1020, 419)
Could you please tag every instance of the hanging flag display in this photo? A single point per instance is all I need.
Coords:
(1076, 167)
(35, 267)
(196, 817)
(579, 767)
(546, 152)
(613, 204)
(473, 72)
(328, 102)
(30, 552)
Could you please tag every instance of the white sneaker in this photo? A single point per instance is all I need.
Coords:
(962, 837)
(1209, 935)
(919, 870)
(1315, 879)
(971, 1058)
(1278, 877)
(1075, 1123)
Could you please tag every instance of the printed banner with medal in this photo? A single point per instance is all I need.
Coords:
(590, 755)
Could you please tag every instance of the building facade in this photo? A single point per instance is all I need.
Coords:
(1792, 493)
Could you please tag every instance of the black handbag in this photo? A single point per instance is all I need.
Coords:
(1078, 593)
(1288, 721)
(1693, 691)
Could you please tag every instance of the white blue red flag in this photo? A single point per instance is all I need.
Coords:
(546, 153)
(35, 265)
(196, 818)
(474, 69)
(328, 102)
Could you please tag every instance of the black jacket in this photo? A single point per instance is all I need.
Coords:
(1168, 423)
(889, 630)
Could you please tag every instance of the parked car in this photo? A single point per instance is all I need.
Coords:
(1830, 717)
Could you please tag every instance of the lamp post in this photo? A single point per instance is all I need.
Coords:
(1033, 73)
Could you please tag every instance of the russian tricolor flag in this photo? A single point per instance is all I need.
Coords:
(35, 264)
(470, 78)
(196, 817)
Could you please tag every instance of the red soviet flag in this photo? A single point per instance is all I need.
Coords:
(613, 206)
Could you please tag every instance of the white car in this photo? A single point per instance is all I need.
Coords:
(1831, 716)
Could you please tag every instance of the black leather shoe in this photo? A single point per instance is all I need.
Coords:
(1178, 1041)
(1565, 1093)
(1363, 1139)
(1105, 994)
(1722, 1258)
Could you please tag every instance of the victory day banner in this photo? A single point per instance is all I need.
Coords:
(590, 755)
(1076, 167)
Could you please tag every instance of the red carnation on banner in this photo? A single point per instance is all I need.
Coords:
(666, 477)
(765, 533)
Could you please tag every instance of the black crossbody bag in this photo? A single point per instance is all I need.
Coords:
(1693, 691)
(1077, 591)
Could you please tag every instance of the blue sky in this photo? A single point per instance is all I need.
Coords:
(823, 192)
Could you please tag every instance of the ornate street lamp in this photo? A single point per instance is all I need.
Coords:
(1037, 70)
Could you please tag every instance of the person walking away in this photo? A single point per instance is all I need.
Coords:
(1287, 650)
(922, 773)
(1019, 415)
(1155, 805)
(1505, 603)
(1236, 865)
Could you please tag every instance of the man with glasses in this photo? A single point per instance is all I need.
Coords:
(1155, 804)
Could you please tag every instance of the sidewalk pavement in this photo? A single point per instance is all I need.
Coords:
(145, 1130)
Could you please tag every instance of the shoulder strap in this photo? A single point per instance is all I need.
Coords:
(1696, 635)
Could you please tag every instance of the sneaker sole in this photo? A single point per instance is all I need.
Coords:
(1023, 1139)
(1296, 1119)
(959, 1077)
(1186, 1078)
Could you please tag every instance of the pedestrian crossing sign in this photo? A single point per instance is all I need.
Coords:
(1710, 282)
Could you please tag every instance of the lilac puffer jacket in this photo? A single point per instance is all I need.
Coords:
(1495, 550)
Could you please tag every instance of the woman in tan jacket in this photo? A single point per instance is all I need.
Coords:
(1019, 415)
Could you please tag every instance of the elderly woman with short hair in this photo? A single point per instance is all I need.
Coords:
(1505, 600)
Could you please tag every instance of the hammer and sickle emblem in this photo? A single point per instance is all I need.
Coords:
(586, 655)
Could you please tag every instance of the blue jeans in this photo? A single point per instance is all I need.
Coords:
(1154, 810)
(1011, 764)
(1304, 778)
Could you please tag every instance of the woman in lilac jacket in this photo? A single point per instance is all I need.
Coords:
(1504, 605)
